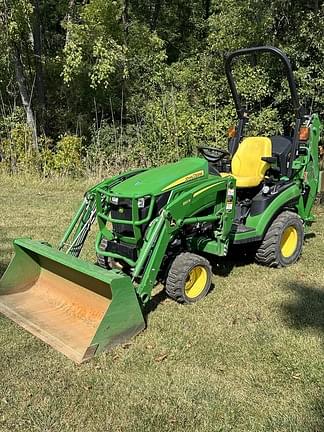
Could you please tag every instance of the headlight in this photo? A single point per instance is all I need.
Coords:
(114, 200)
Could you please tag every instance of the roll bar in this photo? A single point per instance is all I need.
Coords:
(255, 50)
(242, 112)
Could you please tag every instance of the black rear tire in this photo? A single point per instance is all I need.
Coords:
(189, 278)
(283, 241)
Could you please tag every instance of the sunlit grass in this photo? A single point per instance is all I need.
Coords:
(247, 358)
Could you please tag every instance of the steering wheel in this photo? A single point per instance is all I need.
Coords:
(213, 154)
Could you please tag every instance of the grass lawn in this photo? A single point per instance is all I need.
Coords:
(250, 357)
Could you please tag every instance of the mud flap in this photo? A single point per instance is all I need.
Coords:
(76, 307)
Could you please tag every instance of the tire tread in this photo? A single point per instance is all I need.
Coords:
(267, 253)
(178, 271)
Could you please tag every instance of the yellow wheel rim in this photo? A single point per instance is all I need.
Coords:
(196, 282)
(289, 241)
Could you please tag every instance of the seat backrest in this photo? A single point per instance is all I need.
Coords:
(247, 160)
(281, 148)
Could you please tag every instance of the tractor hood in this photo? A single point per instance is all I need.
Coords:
(164, 178)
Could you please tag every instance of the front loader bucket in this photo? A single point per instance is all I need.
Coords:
(76, 307)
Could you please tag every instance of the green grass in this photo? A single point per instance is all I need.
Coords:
(248, 358)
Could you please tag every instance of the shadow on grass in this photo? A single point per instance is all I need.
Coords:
(238, 256)
(306, 311)
(309, 236)
(160, 297)
(222, 266)
(154, 303)
(308, 308)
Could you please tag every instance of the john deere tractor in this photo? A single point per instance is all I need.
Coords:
(159, 225)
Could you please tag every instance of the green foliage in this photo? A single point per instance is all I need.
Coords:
(142, 83)
(266, 122)
(109, 149)
(18, 15)
(96, 45)
(18, 154)
(67, 159)
(16, 144)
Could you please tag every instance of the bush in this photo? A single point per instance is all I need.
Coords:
(19, 156)
(67, 158)
(17, 150)
(110, 149)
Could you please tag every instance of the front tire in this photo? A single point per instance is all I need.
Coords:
(104, 261)
(283, 242)
(189, 278)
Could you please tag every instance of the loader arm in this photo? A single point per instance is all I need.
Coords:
(181, 211)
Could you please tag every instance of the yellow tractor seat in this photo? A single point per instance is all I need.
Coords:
(247, 166)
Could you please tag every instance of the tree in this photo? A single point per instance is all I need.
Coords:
(16, 15)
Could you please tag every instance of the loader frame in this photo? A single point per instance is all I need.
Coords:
(182, 209)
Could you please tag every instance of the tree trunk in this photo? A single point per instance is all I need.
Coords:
(68, 18)
(24, 93)
(40, 89)
(156, 14)
(125, 21)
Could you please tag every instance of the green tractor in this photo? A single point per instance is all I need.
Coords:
(158, 225)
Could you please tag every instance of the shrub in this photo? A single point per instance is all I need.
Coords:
(17, 150)
(67, 158)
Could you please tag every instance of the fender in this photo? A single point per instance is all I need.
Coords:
(257, 225)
